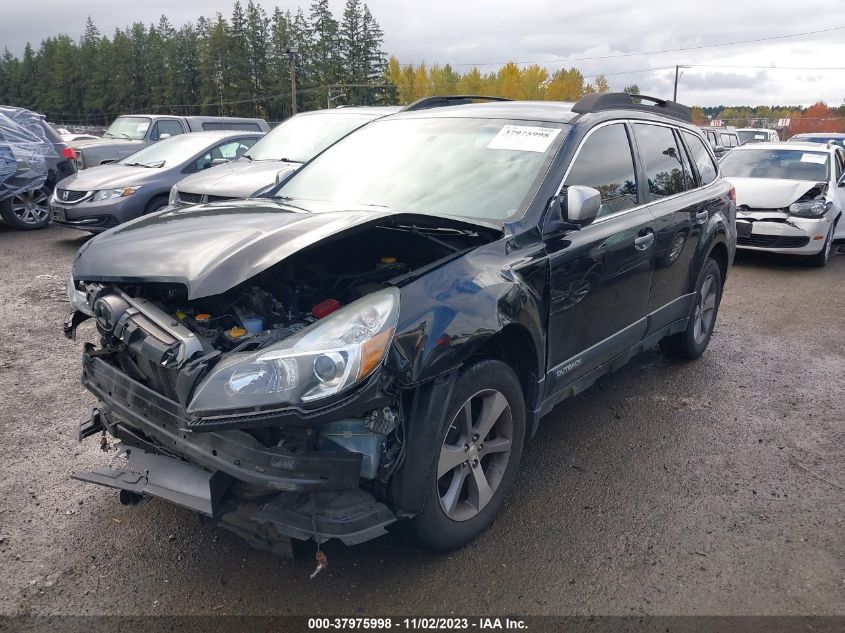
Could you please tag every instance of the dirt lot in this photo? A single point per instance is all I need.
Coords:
(715, 487)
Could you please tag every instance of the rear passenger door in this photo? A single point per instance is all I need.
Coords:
(600, 274)
(681, 204)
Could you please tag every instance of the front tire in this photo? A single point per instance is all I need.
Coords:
(821, 258)
(481, 444)
(27, 211)
(692, 342)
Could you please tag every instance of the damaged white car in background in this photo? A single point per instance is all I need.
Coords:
(789, 197)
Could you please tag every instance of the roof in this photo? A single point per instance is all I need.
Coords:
(374, 111)
(552, 111)
(214, 134)
(754, 129)
(819, 134)
(807, 147)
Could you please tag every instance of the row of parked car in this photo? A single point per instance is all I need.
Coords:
(361, 316)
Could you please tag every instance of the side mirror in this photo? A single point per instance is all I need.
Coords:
(163, 136)
(218, 161)
(582, 205)
(719, 150)
(575, 207)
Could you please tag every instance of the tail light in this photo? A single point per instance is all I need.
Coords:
(732, 194)
(68, 153)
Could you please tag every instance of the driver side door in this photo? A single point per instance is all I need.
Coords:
(600, 274)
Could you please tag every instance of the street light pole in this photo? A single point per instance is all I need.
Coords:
(677, 69)
(292, 51)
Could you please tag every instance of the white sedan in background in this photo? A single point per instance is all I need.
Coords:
(789, 196)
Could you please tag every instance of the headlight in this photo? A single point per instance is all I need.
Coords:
(108, 194)
(174, 195)
(77, 298)
(323, 359)
(810, 208)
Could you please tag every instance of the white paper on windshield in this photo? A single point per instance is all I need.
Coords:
(760, 136)
(142, 127)
(524, 138)
(819, 159)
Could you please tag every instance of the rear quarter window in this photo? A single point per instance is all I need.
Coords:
(701, 157)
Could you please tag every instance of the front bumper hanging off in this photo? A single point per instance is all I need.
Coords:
(301, 495)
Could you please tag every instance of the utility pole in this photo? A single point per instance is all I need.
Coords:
(292, 51)
(677, 76)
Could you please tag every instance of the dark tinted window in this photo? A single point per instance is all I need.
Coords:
(605, 163)
(663, 161)
(689, 178)
(701, 157)
(243, 125)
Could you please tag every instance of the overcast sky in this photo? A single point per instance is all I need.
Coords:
(493, 31)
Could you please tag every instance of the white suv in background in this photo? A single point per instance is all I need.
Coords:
(757, 135)
(789, 197)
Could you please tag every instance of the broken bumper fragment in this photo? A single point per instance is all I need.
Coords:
(302, 495)
(778, 232)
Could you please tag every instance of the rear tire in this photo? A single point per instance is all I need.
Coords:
(27, 211)
(692, 342)
(480, 445)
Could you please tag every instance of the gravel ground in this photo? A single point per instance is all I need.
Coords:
(712, 487)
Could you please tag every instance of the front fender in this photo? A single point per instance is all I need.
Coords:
(447, 315)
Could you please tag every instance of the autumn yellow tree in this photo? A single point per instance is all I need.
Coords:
(565, 85)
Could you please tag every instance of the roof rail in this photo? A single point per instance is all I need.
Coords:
(626, 101)
(438, 101)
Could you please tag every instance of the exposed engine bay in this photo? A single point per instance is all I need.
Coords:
(260, 406)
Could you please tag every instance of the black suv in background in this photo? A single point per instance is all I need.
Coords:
(379, 341)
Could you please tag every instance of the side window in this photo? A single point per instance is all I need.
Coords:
(166, 126)
(226, 151)
(663, 160)
(727, 140)
(701, 158)
(711, 137)
(689, 178)
(605, 162)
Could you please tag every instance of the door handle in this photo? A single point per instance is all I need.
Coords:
(644, 242)
(701, 216)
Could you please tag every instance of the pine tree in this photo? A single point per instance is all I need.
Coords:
(326, 51)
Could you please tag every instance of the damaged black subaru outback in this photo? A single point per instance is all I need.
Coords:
(379, 340)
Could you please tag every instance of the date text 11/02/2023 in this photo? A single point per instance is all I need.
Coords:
(420, 623)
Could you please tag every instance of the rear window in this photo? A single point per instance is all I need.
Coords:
(243, 125)
(663, 160)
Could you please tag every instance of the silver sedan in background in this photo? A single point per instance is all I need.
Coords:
(102, 197)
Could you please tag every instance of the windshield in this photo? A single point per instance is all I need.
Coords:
(752, 136)
(479, 168)
(171, 151)
(775, 163)
(302, 137)
(131, 127)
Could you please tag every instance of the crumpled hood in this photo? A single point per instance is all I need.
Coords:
(109, 177)
(211, 248)
(769, 193)
(238, 179)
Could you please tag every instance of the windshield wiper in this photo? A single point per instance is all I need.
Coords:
(158, 163)
(248, 157)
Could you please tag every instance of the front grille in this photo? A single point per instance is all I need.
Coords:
(190, 198)
(67, 195)
(220, 198)
(773, 241)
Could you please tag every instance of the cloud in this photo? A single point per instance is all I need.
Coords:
(556, 33)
